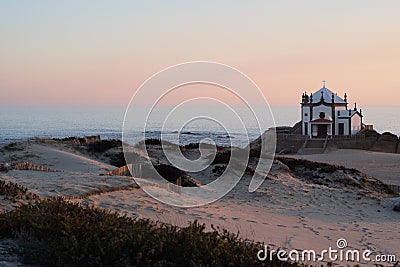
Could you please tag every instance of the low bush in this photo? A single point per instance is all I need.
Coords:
(169, 172)
(15, 192)
(103, 145)
(222, 157)
(58, 233)
(153, 141)
(293, 164)
(75, 139)
(13, 147)
(11, 189)
(192, 146)
(117, 159)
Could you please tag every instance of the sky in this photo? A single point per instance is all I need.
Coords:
(77, 53)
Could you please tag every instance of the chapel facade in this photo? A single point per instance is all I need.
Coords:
(324, 113)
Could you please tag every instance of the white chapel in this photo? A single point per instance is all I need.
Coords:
(324, 113)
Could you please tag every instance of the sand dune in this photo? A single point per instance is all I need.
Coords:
(284, 212)
(383, 166)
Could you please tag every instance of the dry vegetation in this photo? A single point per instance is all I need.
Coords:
(58, 233)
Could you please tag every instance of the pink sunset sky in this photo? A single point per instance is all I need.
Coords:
(99, 52)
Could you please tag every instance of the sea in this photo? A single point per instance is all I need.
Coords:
(21, 123)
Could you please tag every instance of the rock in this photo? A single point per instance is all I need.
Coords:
(387, 142)
(285, 143)
(398, 146)
(371, 137)
(372, 134)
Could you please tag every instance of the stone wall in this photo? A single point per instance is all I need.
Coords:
(368, 140)
(289, 143)
(285, 143)
(353, 143)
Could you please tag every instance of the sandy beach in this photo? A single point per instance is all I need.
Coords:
(285, 212)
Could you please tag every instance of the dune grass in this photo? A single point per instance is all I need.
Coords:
(10, 190)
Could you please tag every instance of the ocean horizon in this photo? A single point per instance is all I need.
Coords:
(21, 123)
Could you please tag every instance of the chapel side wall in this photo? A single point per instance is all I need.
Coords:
(355, 124)
(305, 119)
(337, 120)
(345, 121)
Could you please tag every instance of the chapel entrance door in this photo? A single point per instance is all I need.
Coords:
(322, 130)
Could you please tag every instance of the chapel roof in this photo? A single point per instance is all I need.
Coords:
(327, 95)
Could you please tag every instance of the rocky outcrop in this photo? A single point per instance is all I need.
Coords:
(79, 140)
(387, 142)
(285, 143)
(296, 129)
(289, 143)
